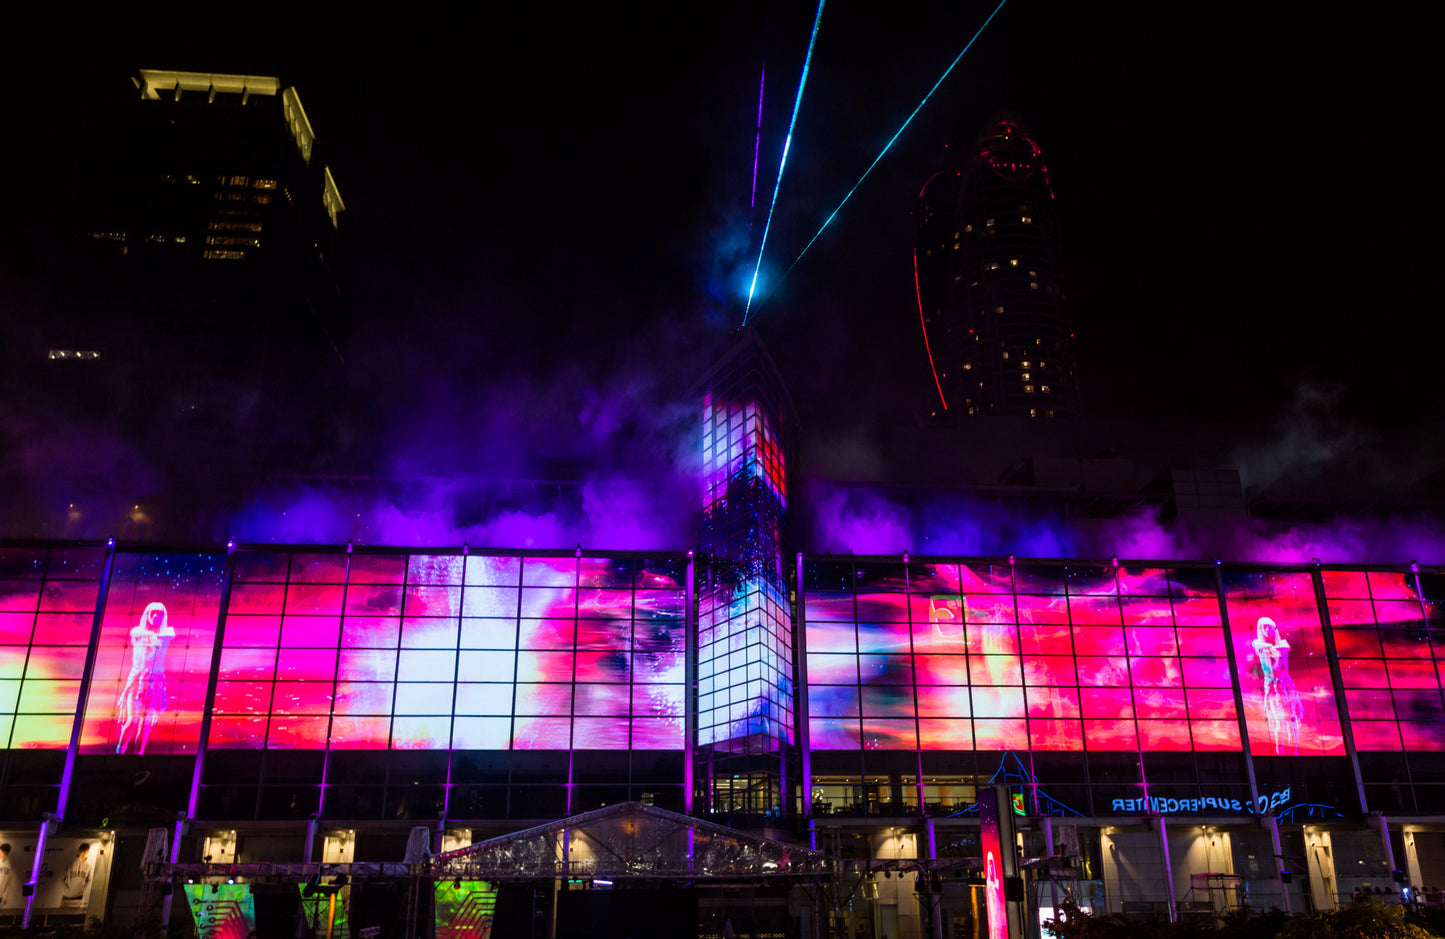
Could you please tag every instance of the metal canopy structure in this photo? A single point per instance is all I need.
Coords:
(628, 841)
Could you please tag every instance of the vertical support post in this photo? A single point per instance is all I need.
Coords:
(1338, 681)
(1263, 815)
(689, 672)
(51, 825)
(313, 828)
(1168, 869)
(1412, 862)
(800, 701)
(1381, 823)
(935, 900)
(47, 827)
(1235, 682)
(1271, 825)
(1319, 855)
(183, 825)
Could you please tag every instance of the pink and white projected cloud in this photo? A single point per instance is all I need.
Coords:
(433, 652)
(956, 657)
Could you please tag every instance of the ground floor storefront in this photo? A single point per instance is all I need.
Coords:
(637, 871)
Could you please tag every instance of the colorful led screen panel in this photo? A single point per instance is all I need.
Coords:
(154, 657)
(738, 437)
(327, 913)
(1284, 672)
(997, 849)
(1390, 659)
(464, 909)
(440, 651)
(1094, 658)
(222, 911)
(47, 612)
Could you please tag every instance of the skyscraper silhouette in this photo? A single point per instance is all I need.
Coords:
(200, 298)
(991, 297)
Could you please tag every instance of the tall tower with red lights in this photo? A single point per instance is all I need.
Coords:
(992, 306)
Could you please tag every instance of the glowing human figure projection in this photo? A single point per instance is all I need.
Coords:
(143, 699)
(993, 899)
(1282, 705)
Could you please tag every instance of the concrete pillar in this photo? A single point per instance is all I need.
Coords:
(1381, 824)
(1271, 825)
(1320, 856)
(1412, 861)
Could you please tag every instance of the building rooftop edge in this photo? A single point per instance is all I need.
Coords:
(153, 81)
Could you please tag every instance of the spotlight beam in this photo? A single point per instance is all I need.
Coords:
(881, 153)
(787, 142)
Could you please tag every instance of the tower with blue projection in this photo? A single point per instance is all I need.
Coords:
(747, 757)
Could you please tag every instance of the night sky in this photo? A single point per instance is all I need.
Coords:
(1249, 200)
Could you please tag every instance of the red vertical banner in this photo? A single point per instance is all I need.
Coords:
(1000, 862)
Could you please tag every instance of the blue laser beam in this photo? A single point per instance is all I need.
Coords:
(787, 143)
(886, 147)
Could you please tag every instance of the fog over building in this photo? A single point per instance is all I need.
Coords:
(669, 738)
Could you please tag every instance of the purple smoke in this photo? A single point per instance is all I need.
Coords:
(864, 521)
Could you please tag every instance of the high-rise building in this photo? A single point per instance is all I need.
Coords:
(199, 301)
(990, 283)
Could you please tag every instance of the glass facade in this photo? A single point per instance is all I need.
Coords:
(294, 674)
(1219, 717)
(435, 652)
(1115, 690)
(1096, 689)
(47, 611)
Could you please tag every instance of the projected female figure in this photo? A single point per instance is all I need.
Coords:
(143, 699)
(1282, 705)
(993, 899)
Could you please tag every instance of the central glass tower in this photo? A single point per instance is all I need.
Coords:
(747, 757)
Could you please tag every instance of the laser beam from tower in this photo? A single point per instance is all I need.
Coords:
(886, 147)
(787, 142)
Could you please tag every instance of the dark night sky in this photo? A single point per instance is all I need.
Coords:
(1249, 200)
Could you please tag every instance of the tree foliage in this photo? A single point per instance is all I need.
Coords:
(1368, 920)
